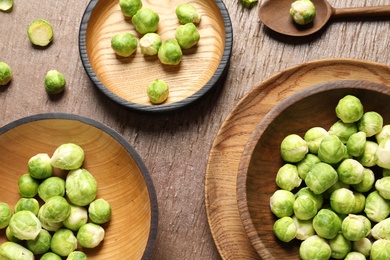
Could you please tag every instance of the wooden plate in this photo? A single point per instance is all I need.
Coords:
(124, 80)
(123, 180)
(224, 158)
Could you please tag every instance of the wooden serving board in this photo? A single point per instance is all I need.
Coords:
(224, 158)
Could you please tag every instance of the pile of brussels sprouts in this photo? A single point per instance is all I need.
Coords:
(334, 187)
(54, 216)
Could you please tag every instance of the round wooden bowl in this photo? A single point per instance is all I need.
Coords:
(125, 80)
(123, 180)
(260, 161)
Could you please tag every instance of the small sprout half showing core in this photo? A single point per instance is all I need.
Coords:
(6, 5)
(170, 52)
(187, 13)
(130, 7)
(145, 21)
(158, 91)
(303, 11)
(124, 44)
(187, 35)
(40, 32)
(54, 82)
(150, 43)
(5, 73)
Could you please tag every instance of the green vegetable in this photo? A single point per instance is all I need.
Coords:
(321, 177)
(63, 242)
(331, 149)
(381, 229)
(302, 12)
(360, 202)
(305, 207)
(187, 35)
(343, 130)
(304, 166)
(371, 123)
(355, 227)
(377, 208)
(287, 177)
(52, 186)
(380, 249)
(11, 236)
(90, 235)
(349, 109)
(187, 13)
(318, 198)
(282, 202)
(314, 247)
(54, 82)
(5, 73)
(367, 183)
(145, 21)
(170, 52)
(350, 171)
(362, 246)
(382, 154)
(81, 187)
(50, 256)
(150, 43)
(293, 148)
(158, 91)
(130, 7)
(248, 3)
(356, 144)
(40, 32)
(304, 228)
(41, 244)
(382, 185)
(285, 229)
(355, 256)
(124, 44)
(384, 133)
(30, 204)
(27, 186)
(77, 218)
(313, 137)
(77, 255)
(6, 5)
(47, 224)
(99, 211)
(342, 201)
(340, 246)
(5, 215)
(11, 250)
(56, 209)
(367, 159)
(68, 157)
(327, 223)
(24, 225)
(39, 166)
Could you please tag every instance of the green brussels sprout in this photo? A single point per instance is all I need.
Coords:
(367, 159)
(99, 211)
(314, 247)
(327, 223)
(27, 186)
(39, 166)
(187, 13)
(187, 35)
(331, 149)
(124, 44)
(356, 144)
(281, 203)
(304, 228)
(383, 133)
(293, 148)
(342, 201)
(349, 109)
(130, 7)
(302, 12)
(305, 207)
(50, 256)
(5, 73)
(343, 130)
(285, 229)
(150, 43)
(350, 171)
(355, 256)
(68, 157)
(380, 249)
(340, 246)
(5, 215)
(287, 177)
(52, 186)
(362, 246)
(6, 5)
(145, 21)
(367, 183)
(355, 227)
(321, 177)
(371, 123)
(90, 235)
(81, 187)
(40, 32)
(77, 218)
(313, 137)
(47, 224)
(360, 202)
(381, 229)
(41, 244)
(377, 208)
(170, 52)
(56, 209)
(63, 242)
(305, 165)
(382, 185)
(24, 225)
(158, 91)
(12, 250)
(338, 185)
(77, 255)
(318, 198)
(30, 204)
(382, 154)
(54, 82)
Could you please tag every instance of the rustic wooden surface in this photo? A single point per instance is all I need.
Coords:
(174, 147)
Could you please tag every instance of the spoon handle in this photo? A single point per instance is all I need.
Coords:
(362, 11)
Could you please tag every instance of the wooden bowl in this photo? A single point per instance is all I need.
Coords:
(123, 180)
(125, 80)
(260, 161)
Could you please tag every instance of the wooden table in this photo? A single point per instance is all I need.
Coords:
(175, 147)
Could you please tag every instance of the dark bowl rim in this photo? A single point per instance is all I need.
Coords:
(158, 109)
(145, 172)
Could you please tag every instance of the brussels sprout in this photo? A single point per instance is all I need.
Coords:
(39, 166)
(187, 35)
(356, 144)
(305, 165)
(343, 130)
(30, 204)
(68, 157)
(285, 229)
(382, 185)
(349, 109)
(11, 236)
(321, 177)
(355, 227)
(338, 185)
(383, 133)
(187, 13)
(27, 186)
(314, 247)
(54, 82)
(40, 32)
(81, 187)
(287, 177)
(24, 225)
(327, 223)
(12, 250)
(150, 43)
(145, 21)
(124, 44)
(56, 209)
(304, 228)
(331, 149)
(380, 249)
(50, 256)
(170, 52)
(377, 208)
(340, 246)
(371, 123)
(305, 207)
(48, 225)
(293, 148)
(381, 229)
(313, 137)
(158, 91)
(5, 215)
(6, 5)
(367, 159)
(367, 183)
(77, 255)
(5, 73)
(130, 7)
(90, 235)
(63, 242)
(99, 211)
(382, 154)
(350, 171)
(302, 12)
(360, 202)
(52, 186)
(342, 201)
(41, 244)
(77, 218)
(318, 198)
(355, 256)
(362, 246)
(281, 203)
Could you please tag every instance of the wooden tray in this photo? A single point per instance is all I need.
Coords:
(221, 173)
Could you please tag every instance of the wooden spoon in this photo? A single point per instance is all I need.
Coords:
(275, 15)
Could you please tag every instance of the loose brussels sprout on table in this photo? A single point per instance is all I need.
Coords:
(187, 13)
(146, 21)
(150, 43)
(124, 44)
(5, 215)
(187, 35)
(130, 7)
(5, 73)
(158, 91)
(170, 52)
(40, 32)
(6, 5)
(54, 82)
(303, 12)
